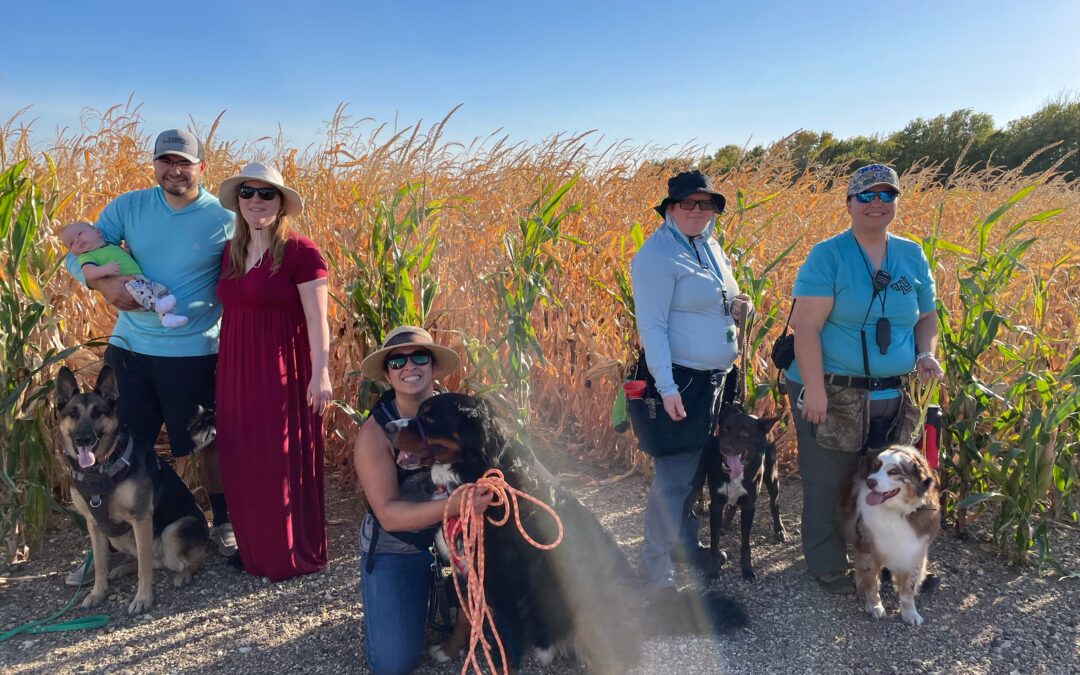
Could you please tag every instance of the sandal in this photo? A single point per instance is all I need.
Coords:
(836, 583)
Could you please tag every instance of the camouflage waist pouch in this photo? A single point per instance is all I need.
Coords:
(847, 422)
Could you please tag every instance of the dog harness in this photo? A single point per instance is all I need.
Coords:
(95, 486)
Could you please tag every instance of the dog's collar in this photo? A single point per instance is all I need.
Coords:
(109, 473)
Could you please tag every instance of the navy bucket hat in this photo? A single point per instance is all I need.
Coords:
(685, 184)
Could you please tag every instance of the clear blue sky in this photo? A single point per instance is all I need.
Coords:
(708, 72)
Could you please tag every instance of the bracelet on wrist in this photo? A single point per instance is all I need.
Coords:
(923, 355)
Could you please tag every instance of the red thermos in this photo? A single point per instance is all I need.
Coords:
(932, 435)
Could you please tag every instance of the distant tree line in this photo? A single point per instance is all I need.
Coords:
(939, 141)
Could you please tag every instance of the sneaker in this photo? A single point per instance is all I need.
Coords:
(77, 578)
(222, 536)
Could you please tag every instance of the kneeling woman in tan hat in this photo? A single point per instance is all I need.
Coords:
(272, 380)
(395, 562)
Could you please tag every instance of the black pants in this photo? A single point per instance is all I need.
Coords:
(156, 389)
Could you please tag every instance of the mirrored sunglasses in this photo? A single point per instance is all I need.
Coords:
(703, 204)
(265, 193)
(397, 361)
(886, 196)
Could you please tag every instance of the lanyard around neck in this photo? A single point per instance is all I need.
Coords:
(710, 265)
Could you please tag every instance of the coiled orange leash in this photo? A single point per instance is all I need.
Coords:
(471, 527)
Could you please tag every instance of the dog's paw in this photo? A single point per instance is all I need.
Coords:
(877, 611)
(436, 652)
(182, 578)
(911, 617)
(141, 603)
(93, 599)
(545, 656)
(123, 569)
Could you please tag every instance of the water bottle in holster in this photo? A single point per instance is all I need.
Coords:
(932, 436)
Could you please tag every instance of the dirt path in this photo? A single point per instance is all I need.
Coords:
(986, 618)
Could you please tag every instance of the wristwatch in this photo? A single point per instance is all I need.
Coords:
(924, 355)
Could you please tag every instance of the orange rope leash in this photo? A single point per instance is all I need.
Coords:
(471, 527)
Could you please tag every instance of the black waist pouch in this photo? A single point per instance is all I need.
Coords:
(658, 435)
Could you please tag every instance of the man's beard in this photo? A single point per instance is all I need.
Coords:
(178, 188)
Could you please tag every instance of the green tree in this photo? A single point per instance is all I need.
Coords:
(942, 139)
(1057, 122)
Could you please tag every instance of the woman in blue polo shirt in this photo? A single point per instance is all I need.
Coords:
(863, 319)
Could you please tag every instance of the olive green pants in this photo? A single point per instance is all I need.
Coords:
(823, 474)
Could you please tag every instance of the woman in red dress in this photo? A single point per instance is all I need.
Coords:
(273, 385)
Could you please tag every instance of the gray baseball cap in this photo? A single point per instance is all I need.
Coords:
(871, 175)
(178, 142)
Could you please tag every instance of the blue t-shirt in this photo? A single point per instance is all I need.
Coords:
(838, 268)
(178, 249)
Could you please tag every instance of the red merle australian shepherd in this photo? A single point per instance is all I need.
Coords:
(890, 516)
(580, 599)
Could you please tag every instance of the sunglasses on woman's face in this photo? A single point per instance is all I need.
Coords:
(886, 196)
(397, 361)
(265, 193)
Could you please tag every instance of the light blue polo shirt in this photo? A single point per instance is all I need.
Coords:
(179, 249)
(838, 268)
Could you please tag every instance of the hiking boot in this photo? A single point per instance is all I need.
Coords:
(222, 536)
(836, 583)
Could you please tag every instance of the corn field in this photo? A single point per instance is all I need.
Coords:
(416, 227)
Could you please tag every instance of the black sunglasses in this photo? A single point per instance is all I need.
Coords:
(703, 204)
(247, 192)
(397, 361)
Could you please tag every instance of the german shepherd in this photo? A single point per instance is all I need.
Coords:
(128, 496)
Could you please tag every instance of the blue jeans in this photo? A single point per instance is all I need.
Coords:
(395, 597)
(665, 515)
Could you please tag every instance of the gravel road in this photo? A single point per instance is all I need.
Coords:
(987, 617)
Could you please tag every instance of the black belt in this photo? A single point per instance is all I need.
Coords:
(871, 383)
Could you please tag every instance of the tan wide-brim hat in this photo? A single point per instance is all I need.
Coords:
(446, 359)
(294, 203)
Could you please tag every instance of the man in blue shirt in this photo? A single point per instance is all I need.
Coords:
(177, 233)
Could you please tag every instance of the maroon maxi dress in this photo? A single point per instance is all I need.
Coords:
(269, 442)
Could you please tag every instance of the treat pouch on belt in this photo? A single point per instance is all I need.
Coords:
(658, 435)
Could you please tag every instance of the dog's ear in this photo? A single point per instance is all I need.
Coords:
(765, 424)
(106, 387)
(66, 387)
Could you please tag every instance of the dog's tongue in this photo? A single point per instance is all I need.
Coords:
(86, 458)
(874, 498)
(734, 466)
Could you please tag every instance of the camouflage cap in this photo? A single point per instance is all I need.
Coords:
(871, 175)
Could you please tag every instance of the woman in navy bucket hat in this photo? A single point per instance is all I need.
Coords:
(688, 308)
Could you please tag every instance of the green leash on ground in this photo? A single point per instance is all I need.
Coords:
(82, 623)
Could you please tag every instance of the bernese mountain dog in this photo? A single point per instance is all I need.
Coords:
(581, 599)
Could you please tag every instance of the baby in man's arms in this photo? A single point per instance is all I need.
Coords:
(99, 260)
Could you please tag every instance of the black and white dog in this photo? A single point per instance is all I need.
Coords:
(581, 598)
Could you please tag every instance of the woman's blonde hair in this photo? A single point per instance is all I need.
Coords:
(242, 237)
